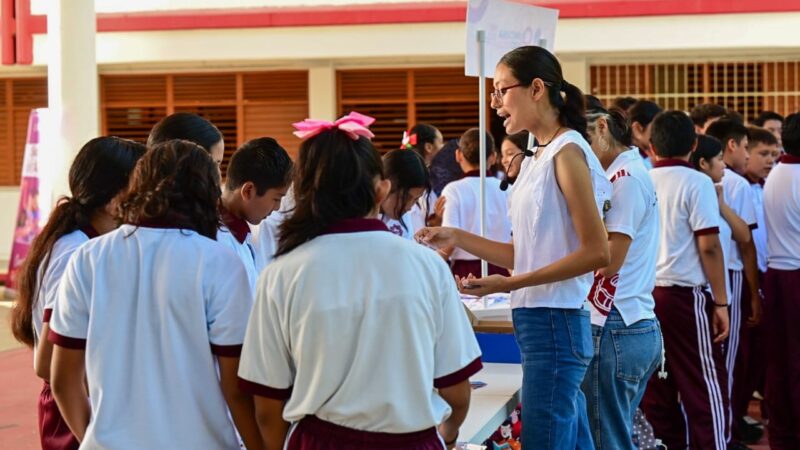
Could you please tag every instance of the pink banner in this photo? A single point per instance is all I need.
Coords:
(28, 213)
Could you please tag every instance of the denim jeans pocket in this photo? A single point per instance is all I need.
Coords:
(580, 334)
(637, 350)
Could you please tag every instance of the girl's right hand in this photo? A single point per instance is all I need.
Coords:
(436, 237)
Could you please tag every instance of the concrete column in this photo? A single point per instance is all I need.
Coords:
(322, 93)
(576, 71)
(73, 97)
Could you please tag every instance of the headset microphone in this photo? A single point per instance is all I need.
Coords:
(506, 181)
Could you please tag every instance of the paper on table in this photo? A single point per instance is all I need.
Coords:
(496, 307)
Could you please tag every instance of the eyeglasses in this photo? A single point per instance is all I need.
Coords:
(499, 93)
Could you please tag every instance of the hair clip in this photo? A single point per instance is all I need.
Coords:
(409, 141)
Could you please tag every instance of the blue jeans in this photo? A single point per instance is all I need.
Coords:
(556, 348)
(625, 358)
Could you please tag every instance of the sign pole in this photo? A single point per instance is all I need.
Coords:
(481, 36)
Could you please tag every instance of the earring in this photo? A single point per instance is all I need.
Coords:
(604, 144)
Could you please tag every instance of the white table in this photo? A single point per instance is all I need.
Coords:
(491, 404)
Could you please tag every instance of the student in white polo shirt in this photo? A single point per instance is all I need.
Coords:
(192, 128)
(99, 172)
(357, 335)
(256, 181)
(782, 289)
(559, 240)
(764, 155)
(745, 310)
(427, 141)
(690, 405)
(410, 181)
(626, 333)
(149, 314)
(463, 200)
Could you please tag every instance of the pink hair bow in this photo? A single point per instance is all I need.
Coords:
(354, 124)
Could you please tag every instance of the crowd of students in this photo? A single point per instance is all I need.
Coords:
(632, 240)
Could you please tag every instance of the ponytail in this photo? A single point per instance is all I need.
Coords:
(68, 216)
(530, 62)
(99, 172)
(571, 108)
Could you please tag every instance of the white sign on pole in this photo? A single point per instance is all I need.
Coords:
(508, 25)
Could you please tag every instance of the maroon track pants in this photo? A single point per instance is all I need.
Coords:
(782, 321)
(688, 409)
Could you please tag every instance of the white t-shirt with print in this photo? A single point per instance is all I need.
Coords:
(634, 213)
(404, 229)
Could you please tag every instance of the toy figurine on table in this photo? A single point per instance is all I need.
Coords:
(506, 437)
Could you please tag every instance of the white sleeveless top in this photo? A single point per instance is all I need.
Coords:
(543, 229)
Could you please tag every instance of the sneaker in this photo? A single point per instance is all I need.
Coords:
(748, 433)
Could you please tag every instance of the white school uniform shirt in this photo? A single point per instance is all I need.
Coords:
(727, 243)
(462, 210)
(543, 229)
(782, 213)
(760, 233)
(235, 233)
(687, 207)
(151, 307)
(739, 198)
(648, 164)
(634, 213)
(49, 279)
(422, 209)
(402, 228)
(265, 235)
(359, 328)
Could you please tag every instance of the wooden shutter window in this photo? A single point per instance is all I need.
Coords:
(134, 89)
(400, 98)
(272, 102)
(243, 105)
(205, 89)
(17, 98)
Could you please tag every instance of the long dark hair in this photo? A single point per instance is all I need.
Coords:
(426, 134)
(186, 126)
(176, 182)
(334, 180)
(529, 62)
(99, 172)
(406, 170)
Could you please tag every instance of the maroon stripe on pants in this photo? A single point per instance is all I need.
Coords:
(54, 433)
(464, 267)
(312, 433)
(782, 321)
(697, 382)
(738, 350)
